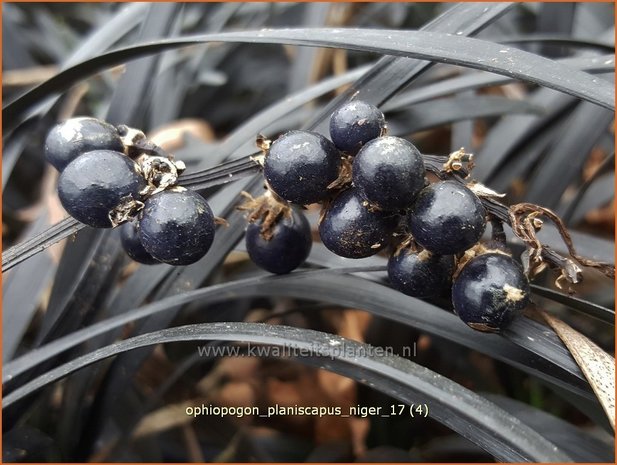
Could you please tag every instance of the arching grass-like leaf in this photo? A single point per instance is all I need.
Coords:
(461, 410)
(40, 242)
(568, 155)
(463, 51)
(470, 81)
(450, 110)
(557, 365)
(599, 312)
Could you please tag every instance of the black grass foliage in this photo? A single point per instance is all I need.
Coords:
(529, 88)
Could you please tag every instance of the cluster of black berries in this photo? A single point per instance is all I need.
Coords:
(373, 189)
(105, 181)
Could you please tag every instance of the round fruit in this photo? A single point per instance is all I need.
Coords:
(177, 227)
(389, 172)
(288, 247)
(446, 218)
(420, 274)
(490, 291)
(351, 230)
(69, 139)
(95, 183)
(131, 243)
(301, 165)
(354, 124)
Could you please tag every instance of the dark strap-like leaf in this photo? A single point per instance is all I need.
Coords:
(465, 412)
(433, 46)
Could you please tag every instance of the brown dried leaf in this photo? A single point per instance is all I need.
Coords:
(602, 217)
(597, 366)
(360, 428)
(193, 447)
(171, 136)
(25, 77)
(166, 418)
(236, 394)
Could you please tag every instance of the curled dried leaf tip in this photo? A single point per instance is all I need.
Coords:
(526, 222)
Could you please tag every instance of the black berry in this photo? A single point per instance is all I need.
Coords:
(354, 124)
(447, 218)
(131, 243)
(286, 246)
(350, 229)
(69, 139)
(389, 172)
(490, 291)
(420, 274)
(177, 227)
(95, 183)
(301, 165)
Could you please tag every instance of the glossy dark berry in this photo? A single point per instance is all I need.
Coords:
(420, 274)
(389, 172)
(490, 291)
(95, 183)
(131, 243)
(288, 247)
(447, 218)
(301, 165)
(177, 228)
(351, 230)
(69, 139)
(354, 124)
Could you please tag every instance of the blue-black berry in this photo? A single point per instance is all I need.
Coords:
(389, 172)
(285, 247)
(350, 229)
(95, 183)
(300, 166)
(490, 291)
(447, 218)
(69, 139)
(177, 227)
(421, 274)
(131, 243)
(354, 124)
